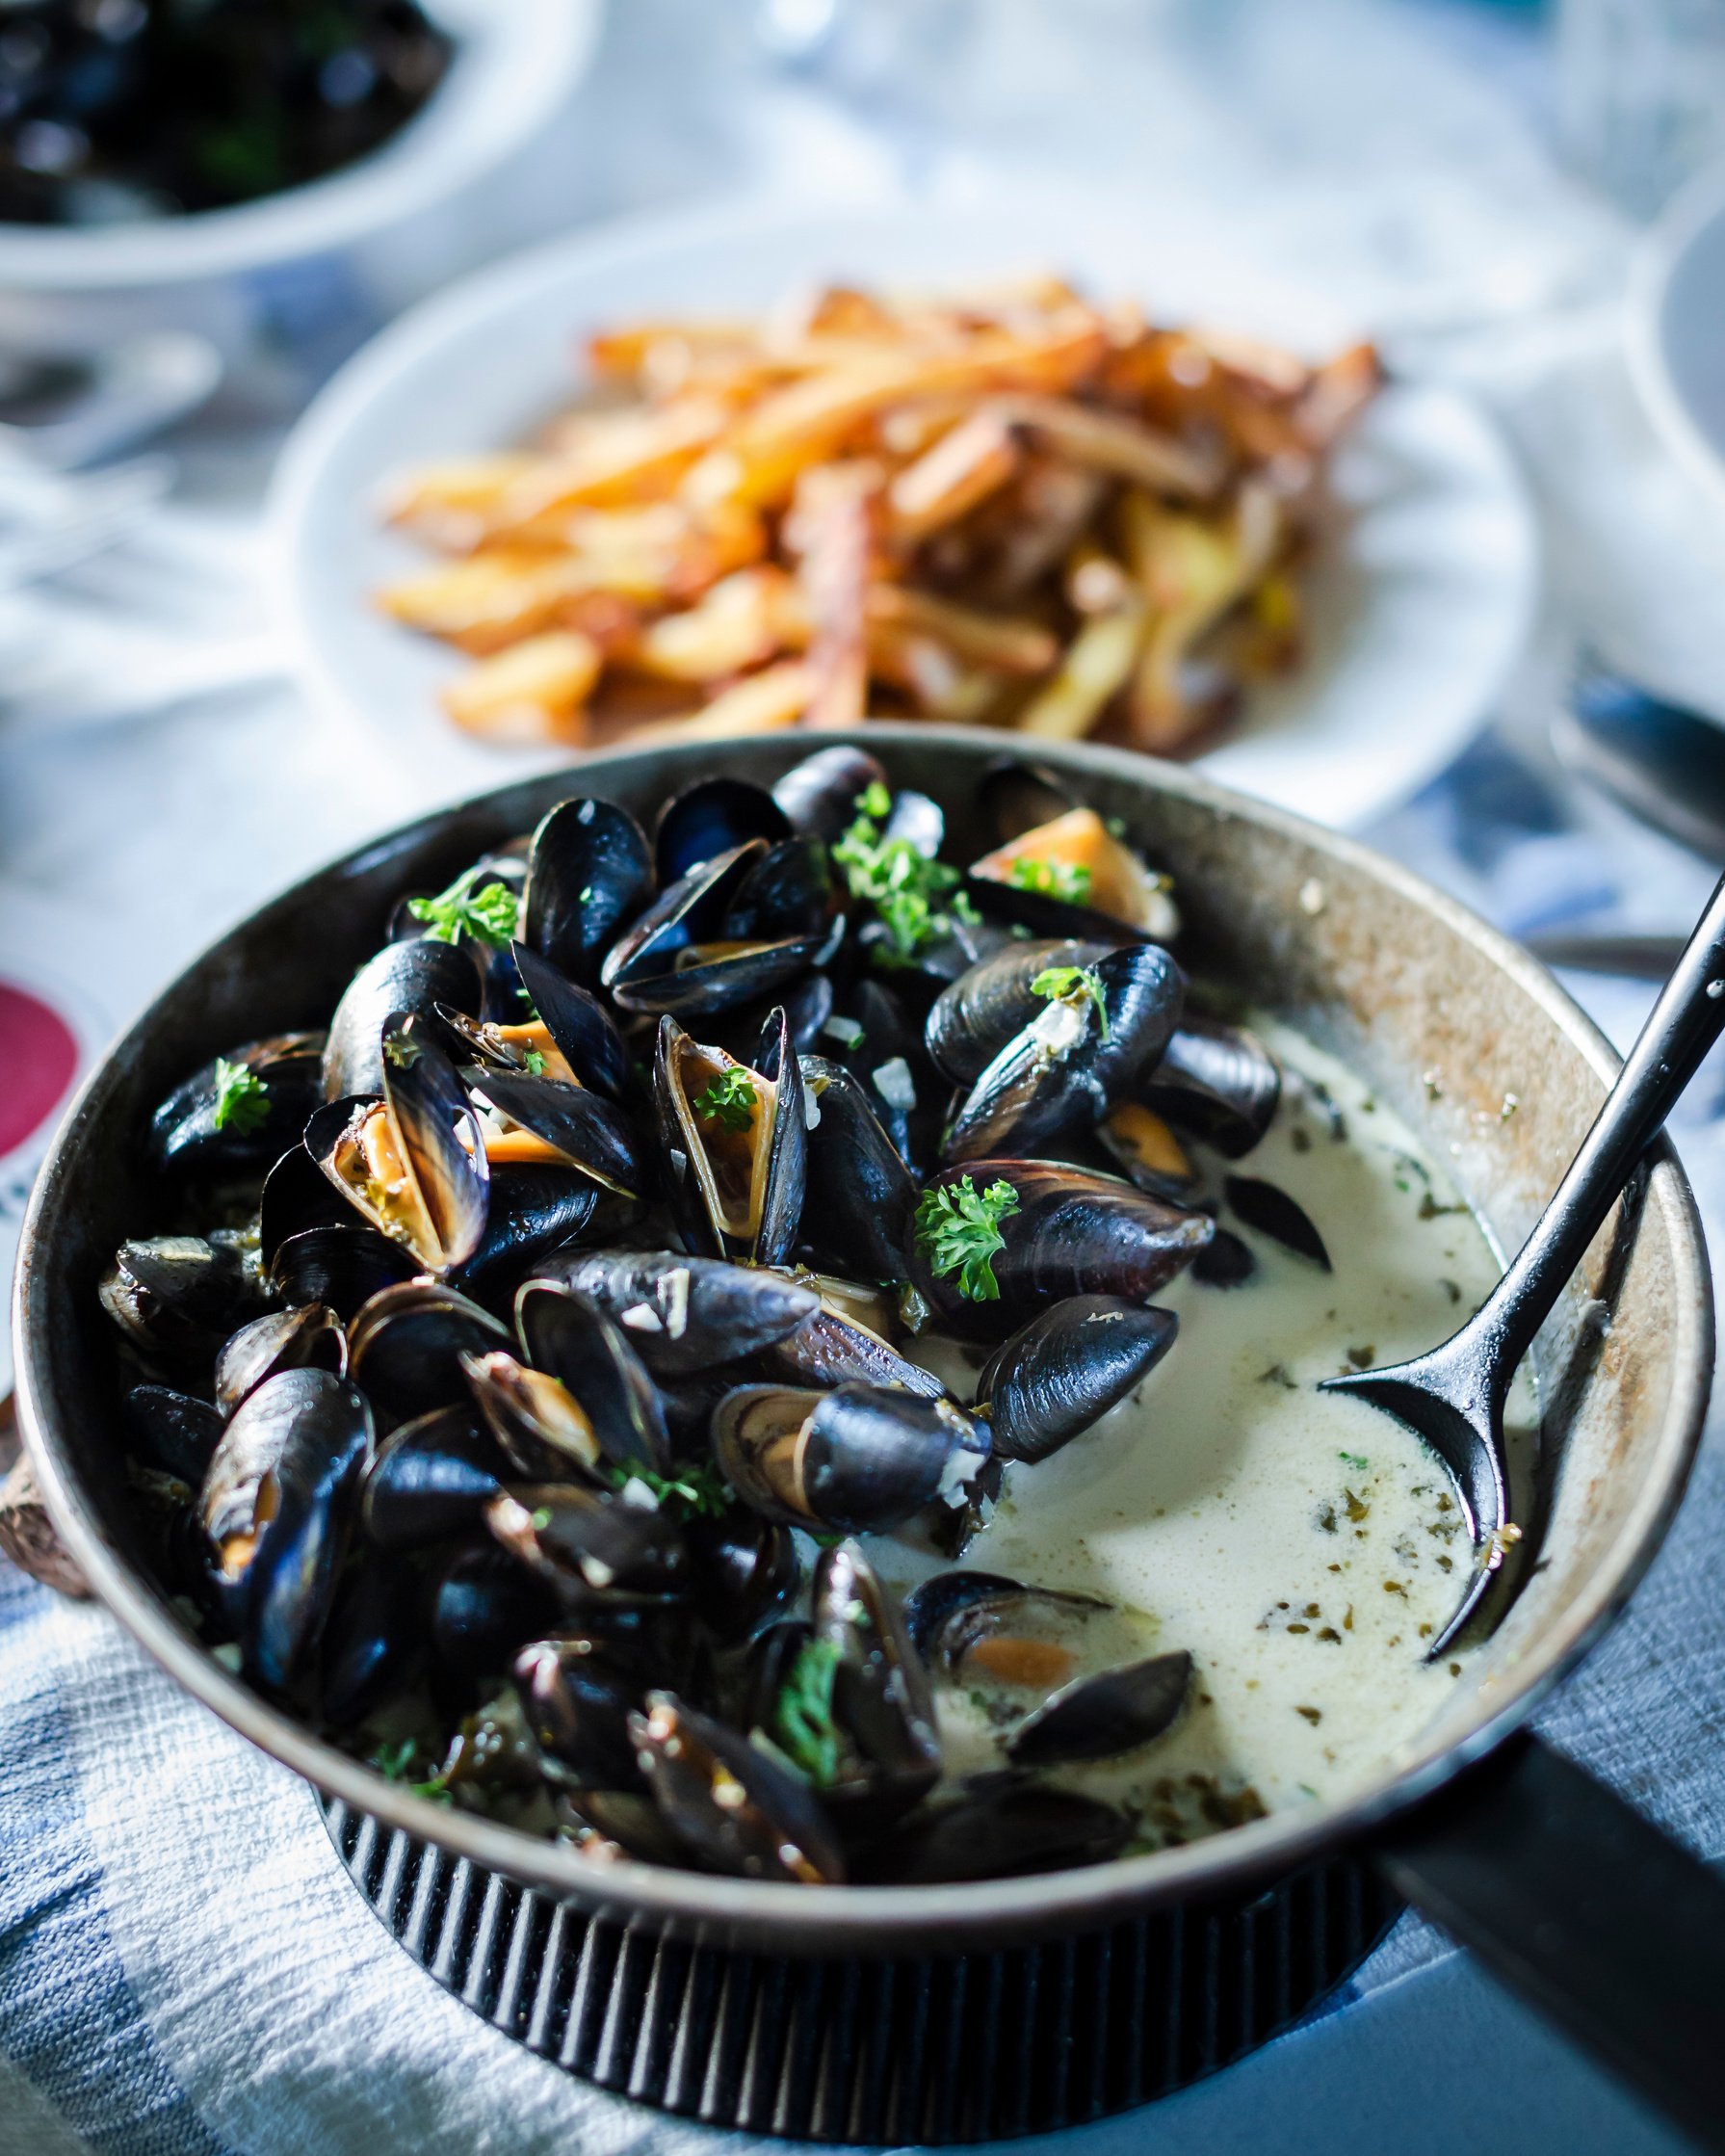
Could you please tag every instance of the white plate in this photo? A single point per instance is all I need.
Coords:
(1677, 328)
(1420, 608)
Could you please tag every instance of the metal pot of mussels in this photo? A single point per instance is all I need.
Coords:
(734, 1335)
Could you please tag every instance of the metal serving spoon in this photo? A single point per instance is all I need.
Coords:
(1453, 1396)
(1663, 763)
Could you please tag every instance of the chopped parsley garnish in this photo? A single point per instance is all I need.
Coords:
(488, 916)
(1069, 983)
(1060, 879)
(901, 883)
(399, 1763)
(959, 1232)
(698, 1492)
(534, 1062)
(803, 1723)
(1354, 1461)
(242, 1098)
(730, 1099)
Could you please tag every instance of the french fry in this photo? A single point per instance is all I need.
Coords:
(951, 477)
(1007, 643)
(1097, 666)
(483, 603)
(447, 505)
(1110, 443)
(834, 523)
(741, 620)
(532, 692)
(618, 456)
(762, 704)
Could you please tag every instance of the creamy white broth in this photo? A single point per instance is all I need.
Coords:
(1301, 1546)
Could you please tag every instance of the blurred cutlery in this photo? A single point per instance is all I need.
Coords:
(66, 413)
(50, 522)
(1632, 957)
(1663, 763)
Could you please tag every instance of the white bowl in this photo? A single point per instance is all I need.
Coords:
(1677, 328)
(515, 66)
(1419, 604)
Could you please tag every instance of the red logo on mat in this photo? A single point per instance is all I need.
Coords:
(39, 1057)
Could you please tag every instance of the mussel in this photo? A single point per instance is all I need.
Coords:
(998, 1825)
(882, 1708)
(819, 795)
(431, 1478)
(177, 1431)
(859, 1194)
(578, 1700)
(588, 874)
(238, 1112)
(341, 1267)
(735, 1140)
(857, 1460)
(684, 1315)
(586, 1546)
(405, 1347)
(1268, 1208)
(402, 981)
(997, 1241)
(601, 1387)
(1073, 877)
(974, 1017)
(710, 943)
(1219, 1081)
(741, 1569)
(544, 1121)
(712, 816)
(729, 1804)
(178, 1295)
(306, 1337)
(1066, 1368)
(837, 1347)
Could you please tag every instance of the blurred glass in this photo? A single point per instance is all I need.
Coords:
(893, 62)
(1641, 94)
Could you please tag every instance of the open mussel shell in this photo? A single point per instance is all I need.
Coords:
(342, 1267)
(186, 1138)
(1216, 1081)
(405, 980)
(578, 1700)
(712, 817)
(406, 1345)
(1018, 882)
(306, 1337)
(431, 1480)
(856, 1460)
(1066, 1368)
(543, 1120)
(741, 1569)
(1013, 797)
(732, 1807)
(582, 1030)
(540, 1425)
(1000, 1826)
(1268, 1208)
(296, 1197)
(819, 795)
(275, 1508)
(174, 1431)
(588, 874)
(975, 1016)
(177, 1296)
(588, 1546)
(1100, 1717)
(1064, 1070)
(573, 1341)
(1148, 1153)
(859, 1194)
(1071, 1233)
(881, 1698)
(738, 1169)
(836, 1348)
(685, 1315)
(683, 955)
(789, 892)
(535, 1209)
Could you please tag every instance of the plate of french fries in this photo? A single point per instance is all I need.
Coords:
(1024, 467)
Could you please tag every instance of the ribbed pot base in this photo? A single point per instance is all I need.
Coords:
(973, 2048)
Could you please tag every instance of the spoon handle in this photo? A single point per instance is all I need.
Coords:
(1683, 1024)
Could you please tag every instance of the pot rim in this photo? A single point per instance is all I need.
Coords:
(876, 1920)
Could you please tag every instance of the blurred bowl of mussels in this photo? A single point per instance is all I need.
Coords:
(217, 163)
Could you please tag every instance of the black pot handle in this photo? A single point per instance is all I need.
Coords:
(1607, 1926)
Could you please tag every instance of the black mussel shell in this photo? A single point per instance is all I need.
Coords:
(861, 1195)
(1073, 1061)
(590, 1546)
(296, 1197)
(819, 795)
(738, 1190)
(588, 875)
(581, 1028)
(441, 1135)
(684, 1315)
(881, 1698)
(741, 1569)
(484, 1607)
(540, 1425)
(974, 1017)
(1274, 1213)
(857, 1460)
(583, 1129)
(1002, 1827)
(342, 1267)
(789, 892)
(768, 1668)
(835, 1349)
(373, 1643)
(1219, 1082)
(1148, 1153)
(306, 1337)
(1072, 1233)
(274, 1507)
(935, 1603)
(174, 1431)
(405, 1347)
(186, 1137)
(578, 1701)
(566, 1337)
(1058, 1373)
(710, 818)
(1225, 1261)
(730, 1805)
(1099, 1717)
(1013, 797)
(535, 1211)
(178, 1295)
(431, 1478)
(808, 1004)
(681, 956)
(871, 1034)
(684, 914)
(403, 980)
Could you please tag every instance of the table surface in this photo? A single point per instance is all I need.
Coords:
(182, 1964)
